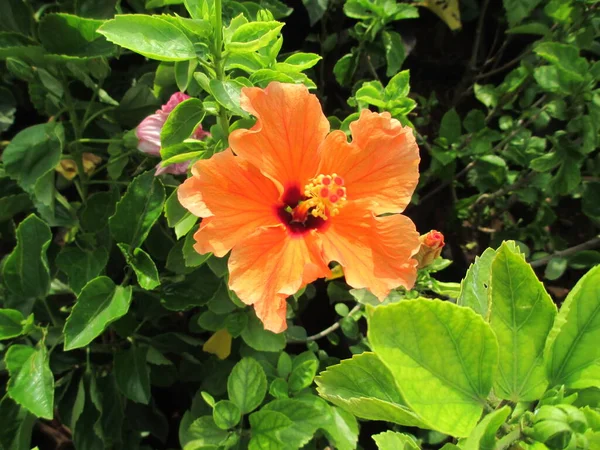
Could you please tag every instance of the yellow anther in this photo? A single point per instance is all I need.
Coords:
(326, 195)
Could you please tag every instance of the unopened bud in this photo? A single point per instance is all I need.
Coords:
(431, 247)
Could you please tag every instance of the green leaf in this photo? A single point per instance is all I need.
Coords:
(31, 157)
(205, 434)
(25, 271)
(99, 207)
(182, 122)
(31, 383)
(10, 323)
(342, 429)
(442, 356)
(344, 69)
(247, 385)
(16, 16)
(184, 73)
(132, 374)
(450, 127)
(483, 436)
(392, 440)
(398, 86)
(315, 9)
(11, 205)
(372, 93)
(142, 265)
(590, 205)
(253, 36)
(303, 375)
(99, 304)
(302, 61)
(522, 314)
(365, 387)
(15, 434)
(150, 36)
(474, 287)
(517, 10)
(565, 58)
(572, 350)
(555, 268)
(81, 265)
(394, 52)
(260, 339)
(226, 414)
(137, 210)
(190, 255)
(178, 217)
(266, 427)
(307, 413)
(227, 93)
(71, 35)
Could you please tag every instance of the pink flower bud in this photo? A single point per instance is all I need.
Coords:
(431, 247)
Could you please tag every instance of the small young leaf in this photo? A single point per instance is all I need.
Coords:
(474, 288)
(392, 440)
(303, 375)
(253, 36)
(226, 414)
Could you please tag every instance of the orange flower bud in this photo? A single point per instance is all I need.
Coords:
(431, 247)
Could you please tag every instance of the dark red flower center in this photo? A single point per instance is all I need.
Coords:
(292, 197)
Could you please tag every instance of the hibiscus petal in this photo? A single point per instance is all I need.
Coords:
(271, 265)
(174, 100)
(381, 164)
(375, 252)
(148, 133)
(289, 128)
(234, 195)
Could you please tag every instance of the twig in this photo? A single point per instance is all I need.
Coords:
(329, 330)
(477, 42)
(592, 243)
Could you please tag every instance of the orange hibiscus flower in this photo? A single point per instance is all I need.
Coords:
(289, 197)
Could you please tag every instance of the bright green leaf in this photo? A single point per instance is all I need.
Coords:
(394, 52)
(442, 356)
(253, 36)
(182, 122)
(31, 382)
(572, 349)
(521, 315)
(392, 440)
(266, 427)
(226, 414)
(483, 436)
(227, 93)
(365, 387)
(474, 287)
(260, 339)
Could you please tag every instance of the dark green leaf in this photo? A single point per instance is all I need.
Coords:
(81, 265)
(74, 36)
(150, 36)
(394, 52)
(10, 323)
(260, 339)
(25, 271)
(517, 10)
(132, 374)
(142, 265)
(450, 127)
(99, 304)
(137, 210)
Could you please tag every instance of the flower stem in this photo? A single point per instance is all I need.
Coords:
(219, 64)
